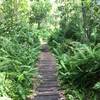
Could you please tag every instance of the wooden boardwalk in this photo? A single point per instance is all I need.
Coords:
(48, 89)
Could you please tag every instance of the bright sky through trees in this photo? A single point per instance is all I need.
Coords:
(52, 1)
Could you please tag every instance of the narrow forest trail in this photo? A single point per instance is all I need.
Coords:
(48, 89)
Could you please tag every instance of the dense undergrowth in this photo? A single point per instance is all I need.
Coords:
(19, 49)
(79, 69)
(18, 56)
(77, 49)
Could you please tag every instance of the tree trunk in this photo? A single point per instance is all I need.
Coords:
(85, 36)
(39, 25)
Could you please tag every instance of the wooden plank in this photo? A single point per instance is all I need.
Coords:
(48, 89)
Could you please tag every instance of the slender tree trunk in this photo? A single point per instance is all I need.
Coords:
(85, 36)
(39, 25)
(16, 10)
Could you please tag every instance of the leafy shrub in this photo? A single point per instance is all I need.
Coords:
(18, 55)
(79, 69)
